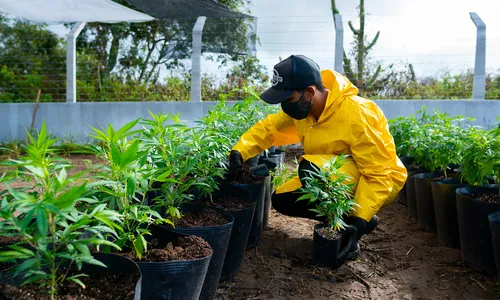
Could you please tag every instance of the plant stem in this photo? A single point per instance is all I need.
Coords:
(53, 262)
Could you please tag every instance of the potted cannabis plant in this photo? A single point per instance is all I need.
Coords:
(333, 199)
(174, 163)
(480, 167)
(173, 265)
(51, 258)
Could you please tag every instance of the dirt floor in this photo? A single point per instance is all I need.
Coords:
(398, 261)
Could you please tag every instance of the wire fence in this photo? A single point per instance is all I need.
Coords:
(139, 69)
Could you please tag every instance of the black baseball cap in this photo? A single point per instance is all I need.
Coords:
(293, 73)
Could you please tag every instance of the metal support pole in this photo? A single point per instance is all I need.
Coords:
(196, 59)
(339, 44)
(71, 62)
(479, 85)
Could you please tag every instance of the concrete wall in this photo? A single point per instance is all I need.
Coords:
(73, 119)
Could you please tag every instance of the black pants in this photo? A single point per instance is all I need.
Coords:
(287, 204)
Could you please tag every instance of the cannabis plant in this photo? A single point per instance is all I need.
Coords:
(125, 181)
(326, 187)
(173, 164)
(481, 161)
(50, 220)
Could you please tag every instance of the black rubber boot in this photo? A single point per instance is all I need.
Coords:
(370, 226)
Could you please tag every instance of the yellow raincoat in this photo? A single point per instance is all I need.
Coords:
(349, 124)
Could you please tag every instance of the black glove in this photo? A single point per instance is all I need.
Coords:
(235, 160)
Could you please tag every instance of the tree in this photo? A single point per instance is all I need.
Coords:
(163, 43)
(31, 58)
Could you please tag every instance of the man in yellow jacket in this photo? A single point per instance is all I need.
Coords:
(321, 109)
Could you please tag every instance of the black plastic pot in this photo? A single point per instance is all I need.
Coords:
(257, 192)
(175, 280)
(410, 192)
(267, 202)
(445, 208)
(239, 233)
(475, 237)
(494, 220)
(114, 264)
(269, 187)
(218, 238)
(425, 204)
(328, 253)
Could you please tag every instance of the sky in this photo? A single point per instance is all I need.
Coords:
(433, 35)
(430, 34)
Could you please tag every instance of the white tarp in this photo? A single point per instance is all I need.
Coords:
(69, 11)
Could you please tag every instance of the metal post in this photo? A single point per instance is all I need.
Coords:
(479, 85)
(196, 59)
(339, 44)
(71, 62)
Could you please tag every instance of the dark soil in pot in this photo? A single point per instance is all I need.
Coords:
(425, 204)
(212, 231)
(121, 279)
(494, 220)
(410, 192)
(445, 208)
(175, 266)
(475, 237)
(243, 176)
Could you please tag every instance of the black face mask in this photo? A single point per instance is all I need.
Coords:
(298, 110)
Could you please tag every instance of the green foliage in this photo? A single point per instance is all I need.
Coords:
(434, 141)
(124, 182)
(326, 188)
(284, 173)
(481, 161)
(52, 218)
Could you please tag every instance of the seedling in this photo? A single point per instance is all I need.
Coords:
(327, 188)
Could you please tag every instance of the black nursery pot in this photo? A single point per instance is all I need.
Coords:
(475, 237)
(325, 251)
(425, 204)
(239, 233)
(410, 193)
(268, 190)
(445, 208)
(175, 280)
(218, 238)
(257, 193)
(494, 220)
(114, 264)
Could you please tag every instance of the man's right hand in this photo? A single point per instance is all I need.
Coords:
(235, 160)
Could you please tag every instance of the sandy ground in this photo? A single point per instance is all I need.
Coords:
(398, 261)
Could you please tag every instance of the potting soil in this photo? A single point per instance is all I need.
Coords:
(487, 197)
(205, 218)
(243, 175)
(104, 286)
(231, 203)
(184, 248)
(328, 233)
